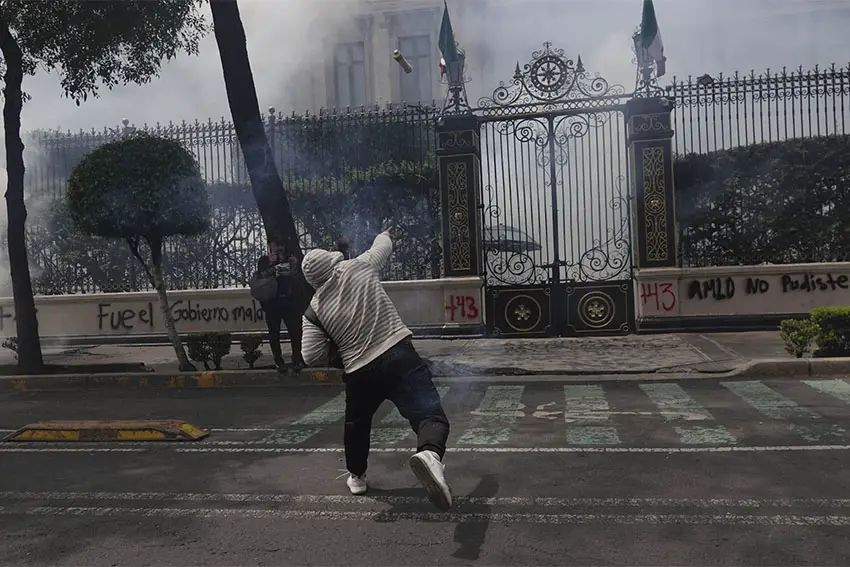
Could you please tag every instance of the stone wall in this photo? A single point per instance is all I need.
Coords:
(447, 306)
(670, 298)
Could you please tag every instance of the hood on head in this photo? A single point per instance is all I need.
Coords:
(318, 266)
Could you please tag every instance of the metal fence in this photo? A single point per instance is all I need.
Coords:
(739, 110)
(728, 112)
(345, 173)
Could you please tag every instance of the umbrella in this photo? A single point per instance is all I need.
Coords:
(503, 238)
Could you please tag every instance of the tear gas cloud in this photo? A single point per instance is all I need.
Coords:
(289, 39)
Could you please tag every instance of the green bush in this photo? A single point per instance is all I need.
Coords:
(781, 202)
(209, 348)
(833, 330)
(798, 335)
(250, 346)
(11, 343)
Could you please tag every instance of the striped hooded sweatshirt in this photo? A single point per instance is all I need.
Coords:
(352, 305)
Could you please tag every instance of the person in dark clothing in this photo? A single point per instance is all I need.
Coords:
(285, 307)
(351, 312)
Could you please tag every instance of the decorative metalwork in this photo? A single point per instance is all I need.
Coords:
(609, 259)
(520, 311)
(456, 101)
(460, 253)
(596, 309)
(550, 82)
(654, 204)
(600, 308)
(646, 79)
(523, 313)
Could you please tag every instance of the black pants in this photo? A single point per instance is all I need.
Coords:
(401, 376)
(284, 311)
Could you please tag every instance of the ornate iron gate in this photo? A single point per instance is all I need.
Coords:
(556, 230)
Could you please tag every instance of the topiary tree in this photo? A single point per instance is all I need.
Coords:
(141, 189)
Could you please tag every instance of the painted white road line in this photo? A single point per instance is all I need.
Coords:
(768, 401)
(492, 450)
(447, 517)
(674, 403)
(498, 410)
(395, 418)
(459, 501)
(836, 388)
(326, 414)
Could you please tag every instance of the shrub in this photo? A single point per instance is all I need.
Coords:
(781, 202)
(209, 348)
(11, 343)
(142, 189)
(833, 330)
(250, 346)
(798, 335)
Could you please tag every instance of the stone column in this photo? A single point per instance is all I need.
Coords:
(651, 160)
(459, 163)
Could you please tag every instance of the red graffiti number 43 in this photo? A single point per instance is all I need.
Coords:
(462, 307)
(665, 297)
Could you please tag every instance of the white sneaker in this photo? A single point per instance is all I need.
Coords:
(429, 470)
(357, 484)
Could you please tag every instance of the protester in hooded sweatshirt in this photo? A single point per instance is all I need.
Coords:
(284, 307)
(379, 360)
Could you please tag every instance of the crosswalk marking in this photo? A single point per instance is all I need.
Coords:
(391, 435)
(326, 414)
(592, 435)
(501, 406)
(586, 408)
(714, 435)
(836, 388)
(585, 403)
(768, 401)
(590, 420)
(674, 403)
(818, 434)
(294, 436)
(395, 418)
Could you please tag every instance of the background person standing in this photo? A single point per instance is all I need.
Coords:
(284, 306)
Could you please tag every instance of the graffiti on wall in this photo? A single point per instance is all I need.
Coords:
(462, 308)
(721, 289)
(662, 295)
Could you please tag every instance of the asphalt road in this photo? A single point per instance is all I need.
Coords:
(694, 473)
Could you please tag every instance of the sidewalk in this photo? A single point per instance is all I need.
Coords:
(633, 354)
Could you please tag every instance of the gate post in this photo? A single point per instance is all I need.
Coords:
(650, 141)
(459, 164)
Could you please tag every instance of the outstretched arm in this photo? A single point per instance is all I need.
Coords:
(380, 252)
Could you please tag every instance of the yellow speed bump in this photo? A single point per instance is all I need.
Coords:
(89, 431)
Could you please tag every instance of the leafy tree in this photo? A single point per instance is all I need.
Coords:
(141, 189)
(92, 44)
(248, 123)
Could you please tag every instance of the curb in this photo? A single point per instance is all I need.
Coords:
(793, 368)
(224, 379)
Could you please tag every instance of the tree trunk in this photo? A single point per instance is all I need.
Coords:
(247, 120)
(30, 360)
(158, 283)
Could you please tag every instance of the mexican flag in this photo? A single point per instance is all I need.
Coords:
(448, 46)
(650, 37)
